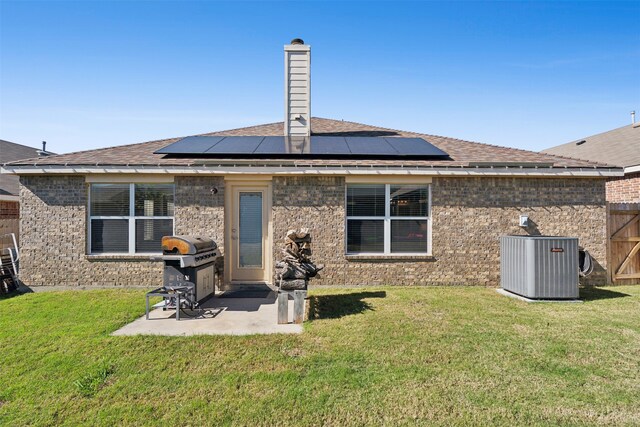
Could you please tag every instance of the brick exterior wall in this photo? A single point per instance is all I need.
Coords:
(318, 204)
(9, 214)
(199, 210)
(468, 216)
(54, 210)
(53, 213)
(477, 211)
(9, 209)
(200, 207)
(624, 189)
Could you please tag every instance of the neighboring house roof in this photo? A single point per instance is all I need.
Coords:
(10, 152)
(620, 147)
(462, 153)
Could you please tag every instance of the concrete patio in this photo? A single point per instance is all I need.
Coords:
(217, 316)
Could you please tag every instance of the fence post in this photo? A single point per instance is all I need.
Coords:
(609, 260)
(283, 307)
(298, 306)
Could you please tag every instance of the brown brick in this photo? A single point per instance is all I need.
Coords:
(468, 217)
(624, 189)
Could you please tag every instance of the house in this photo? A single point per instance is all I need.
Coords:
(619, 147)
(384, 206)
(10, 185)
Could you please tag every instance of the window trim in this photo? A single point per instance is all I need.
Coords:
(131, 219)
(387, 218)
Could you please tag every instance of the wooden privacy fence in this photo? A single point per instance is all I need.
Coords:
(623, 247)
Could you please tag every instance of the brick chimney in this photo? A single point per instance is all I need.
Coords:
(297, 89)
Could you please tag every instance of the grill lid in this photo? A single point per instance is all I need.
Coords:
(187, 245)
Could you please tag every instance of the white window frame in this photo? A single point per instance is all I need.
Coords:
(131, 218)
(387, 218)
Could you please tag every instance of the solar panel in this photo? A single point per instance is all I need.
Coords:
(191, 145)
(271, 145)
(236, 145)
(415, 146)
(367, 145)
(329, 145)
(313, 147)
(279, 145)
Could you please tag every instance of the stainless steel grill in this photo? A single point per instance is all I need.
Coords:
(189, 271)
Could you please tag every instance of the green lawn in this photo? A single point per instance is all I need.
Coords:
(399, 356)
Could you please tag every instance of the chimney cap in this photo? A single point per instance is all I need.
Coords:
(297, 41)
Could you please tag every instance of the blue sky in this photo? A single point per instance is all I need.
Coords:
(82, 75)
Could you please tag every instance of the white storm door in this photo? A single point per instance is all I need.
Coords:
(249, 234)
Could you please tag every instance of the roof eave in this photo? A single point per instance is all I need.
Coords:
(234, 169)
(9, 198)
(631, 169)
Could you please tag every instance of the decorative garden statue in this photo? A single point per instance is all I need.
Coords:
(296, 268)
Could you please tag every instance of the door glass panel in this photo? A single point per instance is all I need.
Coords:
(250, 230)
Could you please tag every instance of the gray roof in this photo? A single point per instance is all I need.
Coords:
(10, 152)
(620, 147)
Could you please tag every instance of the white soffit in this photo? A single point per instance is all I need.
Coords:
(130, 177)
(632, 169)
(316, 170)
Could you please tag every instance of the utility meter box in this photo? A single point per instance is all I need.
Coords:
(539, 267)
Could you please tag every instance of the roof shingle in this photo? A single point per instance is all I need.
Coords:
(461, 152)
(10, 152)
(620, 147)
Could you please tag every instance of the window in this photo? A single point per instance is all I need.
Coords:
(388, 219)
(129, 218)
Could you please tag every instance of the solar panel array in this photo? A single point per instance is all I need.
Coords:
(310, 147)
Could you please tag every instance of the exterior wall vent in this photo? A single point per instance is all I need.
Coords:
(539, 266)
(297, 89)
